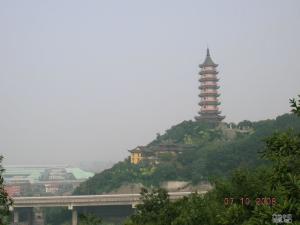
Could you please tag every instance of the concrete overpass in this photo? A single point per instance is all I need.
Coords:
(73, 202)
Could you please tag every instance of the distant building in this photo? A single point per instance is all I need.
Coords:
(171, 148)
(153, 153)
(137, 154)
(209, 110)
(13, 190)
(52, 188)
(38, 180)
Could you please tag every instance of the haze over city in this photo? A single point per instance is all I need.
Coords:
(86, 81)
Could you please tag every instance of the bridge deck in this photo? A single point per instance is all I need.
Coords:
(86, 200)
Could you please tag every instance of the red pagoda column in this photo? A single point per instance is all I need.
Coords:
(209, 110)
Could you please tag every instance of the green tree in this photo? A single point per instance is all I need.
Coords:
(156, 209)
(89, 219)
(5, 200)
(244, 123)
(295, 105)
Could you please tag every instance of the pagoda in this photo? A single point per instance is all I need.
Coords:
(209, 111)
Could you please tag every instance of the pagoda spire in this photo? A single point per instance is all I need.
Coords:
(208, 60)
(209, 110)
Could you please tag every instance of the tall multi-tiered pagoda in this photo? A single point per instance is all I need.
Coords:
(209, 111)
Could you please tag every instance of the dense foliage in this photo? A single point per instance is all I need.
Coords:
(89, 219)
(214, 153)
(5, 200)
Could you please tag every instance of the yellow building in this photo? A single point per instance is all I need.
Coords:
(136, 155)
(153, 153)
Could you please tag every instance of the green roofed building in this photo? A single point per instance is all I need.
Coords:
(80, 174)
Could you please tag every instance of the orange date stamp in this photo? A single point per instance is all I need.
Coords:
(264, 201)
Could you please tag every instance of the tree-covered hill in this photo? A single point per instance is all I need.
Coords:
(264, 195)
(214, 151)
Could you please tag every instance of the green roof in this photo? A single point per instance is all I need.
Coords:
(208, 61)
(79, 173)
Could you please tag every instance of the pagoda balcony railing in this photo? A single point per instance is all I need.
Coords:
(214, 86)
(209, 79)
(205, 102)
(208, 72)
(209, 94)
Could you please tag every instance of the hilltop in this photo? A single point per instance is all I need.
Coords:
(214, 151)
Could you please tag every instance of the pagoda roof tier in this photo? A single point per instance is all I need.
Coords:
(209, 103)
(209, 116)
(209, 79)
(203, 112)
(216, 118)
(139, 149)
(213, 86)
(209, 94)
(208, 72)
(208, 61)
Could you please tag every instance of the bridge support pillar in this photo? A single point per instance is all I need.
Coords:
(74, 216)
(30, 216)
(38, 216)
(16, 216)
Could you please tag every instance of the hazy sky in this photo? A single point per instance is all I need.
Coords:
(88, 80)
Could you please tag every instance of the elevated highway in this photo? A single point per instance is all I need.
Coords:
(73, 202)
